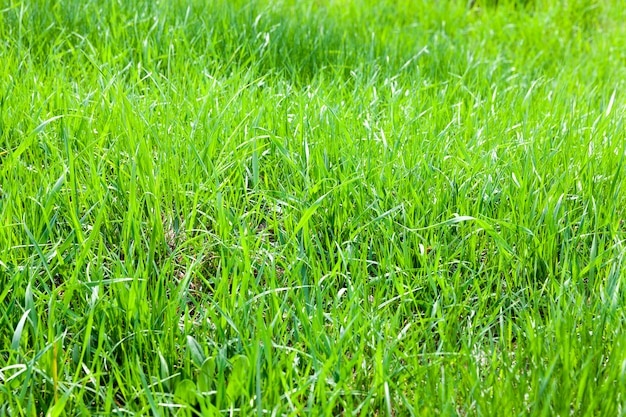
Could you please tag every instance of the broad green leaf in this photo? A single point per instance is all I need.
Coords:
(195, 350)
(17, 333)
(185, 391)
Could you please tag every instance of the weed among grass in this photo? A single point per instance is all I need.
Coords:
(312, 208)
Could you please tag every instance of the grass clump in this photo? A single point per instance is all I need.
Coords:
(320, 208)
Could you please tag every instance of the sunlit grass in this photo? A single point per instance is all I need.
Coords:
(312, 208)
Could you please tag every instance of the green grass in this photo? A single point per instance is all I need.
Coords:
(325, 207)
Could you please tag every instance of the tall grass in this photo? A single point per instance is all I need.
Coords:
(312, 208)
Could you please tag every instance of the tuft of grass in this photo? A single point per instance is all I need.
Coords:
(312, 208)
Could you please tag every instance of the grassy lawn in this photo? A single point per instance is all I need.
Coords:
(321, 207)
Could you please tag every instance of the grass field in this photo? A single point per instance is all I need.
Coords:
(312, 208)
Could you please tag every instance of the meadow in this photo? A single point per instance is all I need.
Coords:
(324, 207)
